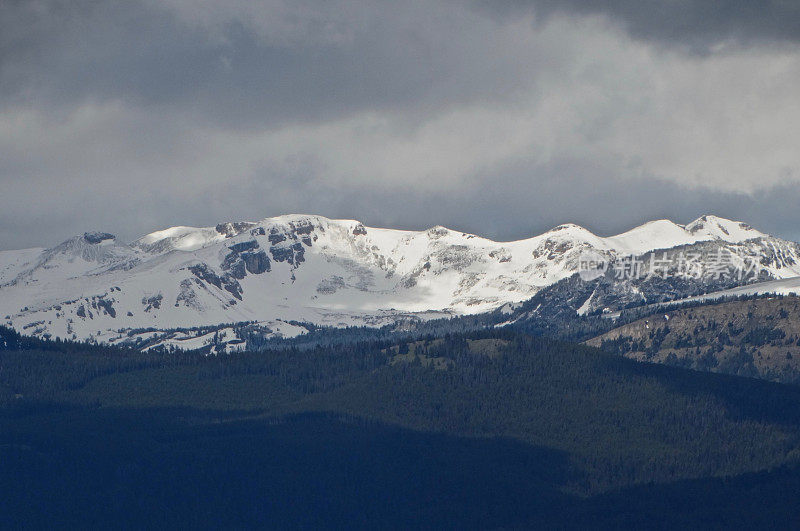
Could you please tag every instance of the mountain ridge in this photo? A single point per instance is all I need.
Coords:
(307, 268)
(226, 229)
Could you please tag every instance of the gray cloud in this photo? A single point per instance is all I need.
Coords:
(503, 119)
(232, 67)
(695, 25)
(516, 205)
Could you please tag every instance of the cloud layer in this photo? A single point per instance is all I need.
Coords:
(131, 116)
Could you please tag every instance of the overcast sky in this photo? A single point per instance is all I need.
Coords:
(498, 118)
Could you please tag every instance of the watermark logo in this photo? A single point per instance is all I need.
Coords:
(721, 264)
(592, 265)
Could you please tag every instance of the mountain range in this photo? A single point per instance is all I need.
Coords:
(284, 275)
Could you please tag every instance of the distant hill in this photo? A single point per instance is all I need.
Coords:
(757, 338)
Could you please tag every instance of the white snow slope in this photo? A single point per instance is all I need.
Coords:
(316, 270)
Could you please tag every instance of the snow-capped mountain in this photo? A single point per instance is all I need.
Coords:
(293, 269)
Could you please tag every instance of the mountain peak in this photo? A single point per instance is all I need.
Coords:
(657, 234)
(717, 228)
(180, 237)
(566, 226)
(708, 219)
(437, 231)
(569, 229)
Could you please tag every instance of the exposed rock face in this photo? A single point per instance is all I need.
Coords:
(107, 306)
(276, 238)
(226, 282)
(187, 295)
(229, 230)
(97, 237)
(293, 254)
(235, 266)
(304, 226)
(153, 302)
(438, 231)
(246, 257)
(256, 262)
(243, 246)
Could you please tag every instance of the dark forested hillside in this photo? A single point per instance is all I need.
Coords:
(481, 430)
(758, 338)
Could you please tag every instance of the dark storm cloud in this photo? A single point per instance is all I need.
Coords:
(497, 118)
(695, 24)
(242, 73)
(516, 206)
